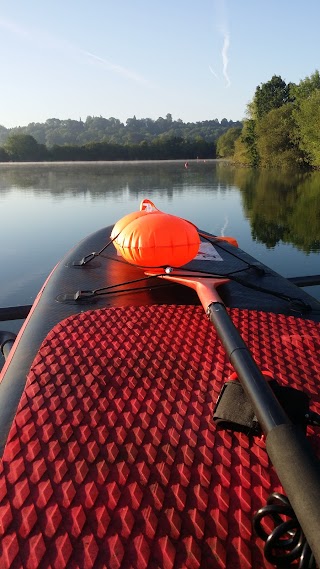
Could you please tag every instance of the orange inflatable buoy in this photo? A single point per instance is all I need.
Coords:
(153, 238)
(124, 221)
(146, 206)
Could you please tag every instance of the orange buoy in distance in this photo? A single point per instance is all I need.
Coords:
(156, 239)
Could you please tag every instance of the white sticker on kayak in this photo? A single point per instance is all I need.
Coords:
(207, 252)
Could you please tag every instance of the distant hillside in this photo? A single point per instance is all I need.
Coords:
(112, 130)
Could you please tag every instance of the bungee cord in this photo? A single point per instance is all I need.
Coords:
(296, 304)
(285, 543)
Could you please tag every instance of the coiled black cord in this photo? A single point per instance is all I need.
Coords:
(286, 543)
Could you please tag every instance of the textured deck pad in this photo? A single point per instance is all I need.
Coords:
(113, 459)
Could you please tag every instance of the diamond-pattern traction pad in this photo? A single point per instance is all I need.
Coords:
(113, 460)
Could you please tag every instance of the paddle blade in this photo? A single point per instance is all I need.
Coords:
(230, 240)
(205, 287)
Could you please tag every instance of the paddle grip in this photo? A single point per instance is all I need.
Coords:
(266, 406)
(299, 473)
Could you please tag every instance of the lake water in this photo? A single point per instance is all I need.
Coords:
(47, 208)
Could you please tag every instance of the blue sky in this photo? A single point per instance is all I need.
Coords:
(195, 59)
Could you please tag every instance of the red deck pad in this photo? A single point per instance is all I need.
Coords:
(114, 461)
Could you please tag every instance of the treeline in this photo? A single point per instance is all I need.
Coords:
(282, 129)
(24, 148)
(108, 139)
(133, 131)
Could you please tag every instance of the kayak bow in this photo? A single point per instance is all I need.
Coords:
(110, 453)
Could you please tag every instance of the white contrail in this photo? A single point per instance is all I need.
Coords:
(213, 72)
(221, 24)
(116, 68)
(43, 39)
(225, 60)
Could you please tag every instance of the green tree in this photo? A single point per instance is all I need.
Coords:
(4, 156)
(226, 142)
(3, 134)
(245, 148)
(270, 95)
(24, 147)
(307, 116)
(276, 142)
(306, 87)
(308, 121)
(241, 155)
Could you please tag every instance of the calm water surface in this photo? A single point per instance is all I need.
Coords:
(47, 208)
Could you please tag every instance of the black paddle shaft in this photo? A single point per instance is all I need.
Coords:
(267, 408)
(288, 449)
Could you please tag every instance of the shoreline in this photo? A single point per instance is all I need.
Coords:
(101, 162)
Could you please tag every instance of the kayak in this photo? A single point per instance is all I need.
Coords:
(161, 409)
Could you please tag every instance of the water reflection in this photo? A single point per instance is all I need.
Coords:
(282, 207)
(100, 178)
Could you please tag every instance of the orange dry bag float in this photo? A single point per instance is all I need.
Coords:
(146, 206)
(152, 238)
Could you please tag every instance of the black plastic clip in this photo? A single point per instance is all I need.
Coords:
(234, 411)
